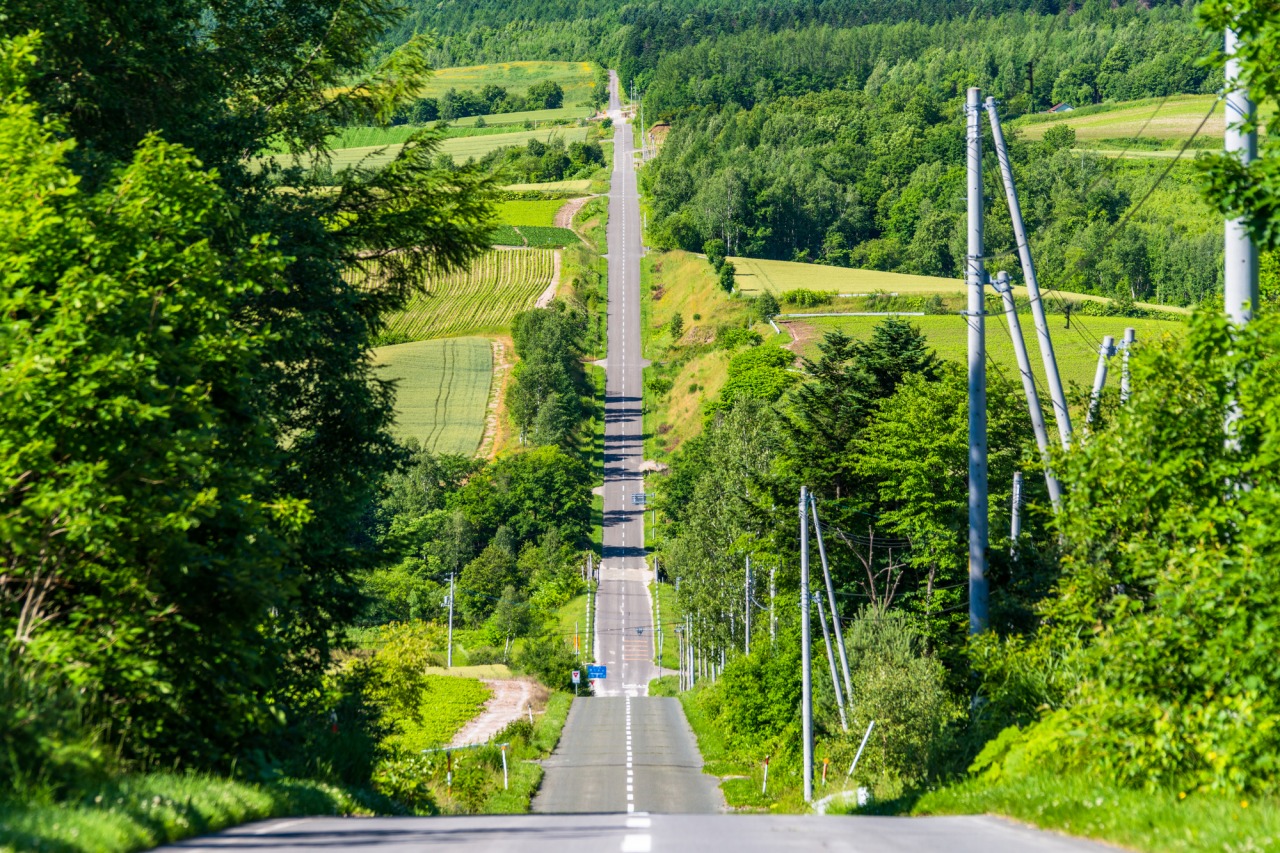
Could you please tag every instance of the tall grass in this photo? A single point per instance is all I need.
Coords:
(140, 812)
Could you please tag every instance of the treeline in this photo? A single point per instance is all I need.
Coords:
(537, 161)
(634, 37)
(1120, 649)
(1029, 61)
(490, 100)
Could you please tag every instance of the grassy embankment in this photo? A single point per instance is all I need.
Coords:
(144, 811)
(681, 283)
(666, 613)
(1157, 821)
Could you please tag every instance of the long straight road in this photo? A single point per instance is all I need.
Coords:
(627, 766)
(624, 751)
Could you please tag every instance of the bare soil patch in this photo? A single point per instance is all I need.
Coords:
(510, 700)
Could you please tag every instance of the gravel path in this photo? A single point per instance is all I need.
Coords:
(511, 696)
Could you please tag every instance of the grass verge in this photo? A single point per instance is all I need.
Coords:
(741, 783)
(666, 614)
(525, 775)
(1164, 821)
(140, 812)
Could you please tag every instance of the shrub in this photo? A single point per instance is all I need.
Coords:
(732, 337)
(766, 306)
(550, 659)
(676, 326)
(803, 298)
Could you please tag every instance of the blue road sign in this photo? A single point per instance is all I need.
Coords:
(596, 672)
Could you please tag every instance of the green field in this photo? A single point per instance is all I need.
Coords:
(755, 275)
(460, 148)
(450, 704)
(1076, 348)
(484, 298)
(576, 78)
(442, 391)
(1109, 128)
(541, 212)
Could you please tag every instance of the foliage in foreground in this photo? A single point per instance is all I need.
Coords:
(1156, 649)
(140, 812)
(1159, 821)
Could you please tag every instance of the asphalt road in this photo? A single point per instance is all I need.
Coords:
(624, 751)
(641, 834)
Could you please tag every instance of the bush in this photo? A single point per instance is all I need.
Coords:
(550, 659)
(766, 306)
(803, 298)
(676, 326)
(732, 337)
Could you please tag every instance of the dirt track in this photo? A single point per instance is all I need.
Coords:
(509, 701)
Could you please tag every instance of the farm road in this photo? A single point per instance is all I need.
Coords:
(511, 697)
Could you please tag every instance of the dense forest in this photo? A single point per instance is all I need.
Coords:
(845, 147)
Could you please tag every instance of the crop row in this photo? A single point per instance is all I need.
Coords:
(497, 286)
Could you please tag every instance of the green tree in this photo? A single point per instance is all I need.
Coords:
(228, 352)
(727, 273)
(1161, 615)
(1252, 191)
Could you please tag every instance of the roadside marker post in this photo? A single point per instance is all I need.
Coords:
(505, 786)
(765, 787)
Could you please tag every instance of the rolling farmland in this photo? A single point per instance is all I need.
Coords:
(485, 297)
(576, 78)
(755, 275)
(1076, 348)
(442, 393)
(460, 148)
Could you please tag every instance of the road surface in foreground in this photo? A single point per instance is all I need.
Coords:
(642, 834)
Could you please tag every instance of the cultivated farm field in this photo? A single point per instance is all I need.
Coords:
(1076, 348)
(1167, 123)
(537, 212)
(442, 391)
(460, 148)
(755, 275)
(483, 298)
(576, 78)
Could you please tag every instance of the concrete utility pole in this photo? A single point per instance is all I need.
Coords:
(1015, 515)
(773, 616)
(1130, 335)
(806, 664)
(831, 661)
(746, 643)
(1028, 386)
(1105, 351)
(448, 662)
(976, 276)
(831, 600)
(1057, 395)
(1240, 282)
